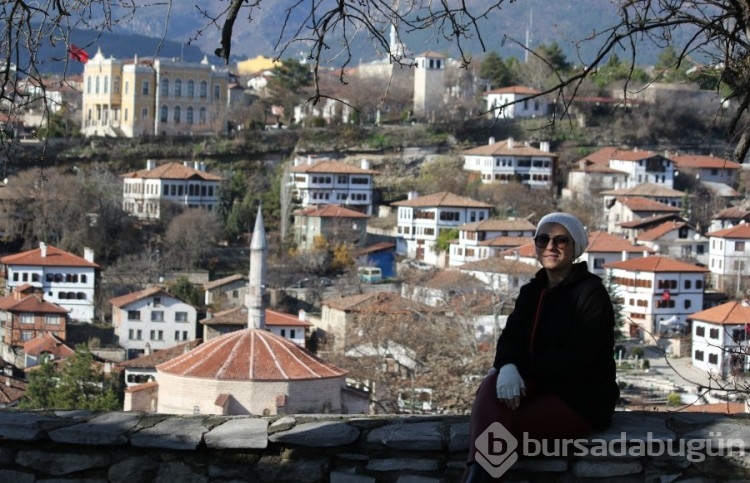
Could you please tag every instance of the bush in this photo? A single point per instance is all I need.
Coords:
(674, 399)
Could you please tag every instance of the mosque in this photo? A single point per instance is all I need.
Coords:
(249, 371)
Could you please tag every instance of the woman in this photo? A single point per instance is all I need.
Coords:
(554, 371)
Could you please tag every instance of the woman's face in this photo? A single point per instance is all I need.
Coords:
(557, 255)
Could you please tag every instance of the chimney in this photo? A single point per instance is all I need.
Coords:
(309, 159)
(147, 349)
(196, 165)
(511, 143)
(544, 146)
(43, 249)
(302, 314)
(88, 254)
(492, 140)
(150, 164)
(412, 195)
(186, 164)
(365, 164)
(624, 255)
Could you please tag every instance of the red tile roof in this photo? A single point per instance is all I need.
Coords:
(330, 166)
(48, 344)
(730, 313)
(494, 224)
(238, 316)
(30, 304)
(506, 241)
(157, 357)
(603, 242)
(733, 212)
(660, 230)
(527, 250)
(648, 190)
(224, 281)
(452, 280)
(172, 171)
(636, 203)
(128, 299)
(443, 199)
(250, 355)
(500, 265)
(54, 258)
(651, 221)
(514, 90)
(602, 155)
(707, 162)
(375, 247)
(331, 211)
(631, 155)
(11, 390)
(274, 318)
(740, 231)
(503, 148)
(655, 264)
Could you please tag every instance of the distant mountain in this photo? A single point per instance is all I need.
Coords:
(561, 21)
(191, 35)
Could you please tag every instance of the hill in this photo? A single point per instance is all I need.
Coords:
(501, 30)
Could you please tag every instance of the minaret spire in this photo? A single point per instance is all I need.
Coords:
(256, 311)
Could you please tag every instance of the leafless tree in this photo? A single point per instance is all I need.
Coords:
(189, 237)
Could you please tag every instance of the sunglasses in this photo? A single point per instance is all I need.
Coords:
(559, 241)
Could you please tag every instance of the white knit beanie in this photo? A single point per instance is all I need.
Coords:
(574, 227)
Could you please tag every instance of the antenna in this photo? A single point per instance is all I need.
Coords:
(528, 35)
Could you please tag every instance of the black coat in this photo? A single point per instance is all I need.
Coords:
(571, 352)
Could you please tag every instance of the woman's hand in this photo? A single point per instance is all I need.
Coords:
(510, 386)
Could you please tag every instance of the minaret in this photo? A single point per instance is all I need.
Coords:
(256, 311)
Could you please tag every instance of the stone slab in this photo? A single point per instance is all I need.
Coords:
(458, 437)
(174, 433)
(410, 436)
(58, 464)
(238, 434)
(400, 464)
(107, 429)
(322, 434)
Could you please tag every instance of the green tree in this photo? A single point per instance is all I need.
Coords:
(554, 56)
(617, 305)
(289, 85)
(444, 239)
(185, 291)
(77, 383)
(670, 66)
(494, 71)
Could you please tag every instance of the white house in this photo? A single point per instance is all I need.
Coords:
(65, 279)
(421, 220)
(288, 326)
(226, 292)
(729, 257)
(719, 339)
(152, 319)
(509, 160)
(501, 275)
(329, 182)
(514, 102)
(590, 178)
(707, 168)
(656, 289)
(627, 209)
(474, 239)
(643, 167)
(728, 217)
(145, 190)
(677, 239)
(606, 248)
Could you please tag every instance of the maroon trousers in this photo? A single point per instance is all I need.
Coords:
(541, 415)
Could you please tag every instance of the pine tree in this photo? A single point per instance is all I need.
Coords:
(617, 305)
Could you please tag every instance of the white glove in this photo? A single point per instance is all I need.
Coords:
(509, 382)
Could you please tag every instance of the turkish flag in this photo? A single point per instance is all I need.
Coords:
(665, 295)
(78, 54)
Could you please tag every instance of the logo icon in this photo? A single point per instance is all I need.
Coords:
(496, 450)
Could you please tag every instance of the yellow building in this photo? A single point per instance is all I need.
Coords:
(256, 65)
(152, 96)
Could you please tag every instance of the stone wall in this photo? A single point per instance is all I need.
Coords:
(136, 447)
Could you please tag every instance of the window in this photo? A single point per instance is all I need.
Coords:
(145, 88)
(688, 303)
(163, 114)
(27, 335)
(52, 320)
(688, 284)
(292, 333)
(178, 88)
(203, 89)
(713, 359)
(27, 318)
(217, 91)
(189, 115)
(739, 335)
(157, 301)
(191, 88)
(700, 331)
(134, 315)
(713, 333)
(598, 263)
(176, 114)
(698, 355)
(157, 335)
(202, 115)
(181, 317)
(157, 316)
(739, 246)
